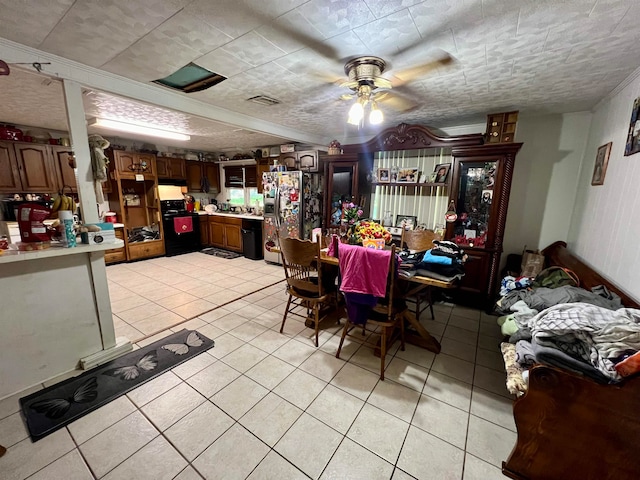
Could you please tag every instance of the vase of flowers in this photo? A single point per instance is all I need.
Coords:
(351, 214)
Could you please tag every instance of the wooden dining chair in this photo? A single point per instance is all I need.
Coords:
(384, 318)
(419, 240)
(300, 259)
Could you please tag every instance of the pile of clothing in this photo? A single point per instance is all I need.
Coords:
(590, 340)
(442, 262)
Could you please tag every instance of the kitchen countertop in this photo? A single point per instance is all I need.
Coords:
(236, 215)
(10, 256)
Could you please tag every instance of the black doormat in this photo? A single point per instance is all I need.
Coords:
(218, 252)
(58, 405)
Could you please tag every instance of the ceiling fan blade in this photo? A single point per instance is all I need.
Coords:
(396, 101)
(4, 68)
(347, 96)
(463, 13)
(410, 74)
(299, 36)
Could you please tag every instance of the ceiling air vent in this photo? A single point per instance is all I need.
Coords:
(264, 100)
(191, 78)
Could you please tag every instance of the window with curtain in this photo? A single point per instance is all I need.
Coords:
(241, 183)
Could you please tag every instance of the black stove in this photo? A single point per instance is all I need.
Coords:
(181, 228)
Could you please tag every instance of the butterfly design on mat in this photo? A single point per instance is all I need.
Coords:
(58, 407)
(193, 340)
(131, 372)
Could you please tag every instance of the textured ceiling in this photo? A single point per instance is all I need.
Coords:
(536, 56)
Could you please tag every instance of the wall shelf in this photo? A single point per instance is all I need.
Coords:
(403, 184)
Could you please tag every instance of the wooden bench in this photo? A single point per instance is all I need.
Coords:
(570, 427)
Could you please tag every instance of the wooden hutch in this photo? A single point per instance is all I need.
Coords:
(478, 184)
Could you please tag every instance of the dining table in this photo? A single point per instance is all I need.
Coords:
(416, 334)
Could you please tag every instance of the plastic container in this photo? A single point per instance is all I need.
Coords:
(110, 217)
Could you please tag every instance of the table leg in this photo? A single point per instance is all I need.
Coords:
(423, 338)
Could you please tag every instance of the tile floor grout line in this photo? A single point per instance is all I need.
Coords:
(466, 437)
(198, 315)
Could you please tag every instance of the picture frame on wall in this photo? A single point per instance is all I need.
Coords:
(408, 222)
(600, 167)
(442, 172)
(633, 137)
(384, 175)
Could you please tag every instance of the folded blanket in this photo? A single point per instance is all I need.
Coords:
(525, 355)
(556, 358)
(595, 335)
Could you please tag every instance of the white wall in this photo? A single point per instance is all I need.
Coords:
(545, 179)
(605, 229)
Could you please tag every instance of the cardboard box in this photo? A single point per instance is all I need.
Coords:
(107, 234)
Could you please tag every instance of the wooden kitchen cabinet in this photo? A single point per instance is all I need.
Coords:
(225, 232)
(216, 232)
(66, 175)
(233, 236)
(9, 176)
(212, 172)
(204, 230)
(116, 254)
(171, 168)
(307, 161)
(128, 164)
(196, 170)
(36, 168)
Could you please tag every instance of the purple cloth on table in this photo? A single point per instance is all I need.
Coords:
(359, 306)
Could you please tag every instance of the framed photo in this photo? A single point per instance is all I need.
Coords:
(407, 175)
(487, 196)
(406, 221)
(442, 172)
(600, 168)
(633, 138)
(384, 175)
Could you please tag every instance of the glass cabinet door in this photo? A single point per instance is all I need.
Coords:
(476, 183)
(342, 187)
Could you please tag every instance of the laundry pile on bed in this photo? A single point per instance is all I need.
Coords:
(585, 332)
(445, 261)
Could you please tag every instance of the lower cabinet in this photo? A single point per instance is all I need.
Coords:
(204, 230)
(116, 254)
(151, 248)
(233, 236)
(225, 232)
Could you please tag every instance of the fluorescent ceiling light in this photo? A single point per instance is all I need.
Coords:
(142, 130)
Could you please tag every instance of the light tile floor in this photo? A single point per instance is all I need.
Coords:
(265, 405)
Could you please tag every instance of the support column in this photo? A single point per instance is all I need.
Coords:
(88, 204)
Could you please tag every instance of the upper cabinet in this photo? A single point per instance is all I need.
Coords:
(9, 175)
(36, 168)
(306, 161)
(196, 171)
(29, 167)
(130, 164)
(171, 168)
(64, 168)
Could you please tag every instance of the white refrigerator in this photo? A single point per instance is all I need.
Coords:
(292, 208)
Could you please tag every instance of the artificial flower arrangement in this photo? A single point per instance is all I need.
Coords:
(371, 230)
(351, 213)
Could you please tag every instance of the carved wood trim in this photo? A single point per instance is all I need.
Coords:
(408, 137)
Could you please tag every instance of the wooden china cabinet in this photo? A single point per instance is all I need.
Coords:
(479, 184)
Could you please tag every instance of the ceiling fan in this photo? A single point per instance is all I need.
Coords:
(369, 86)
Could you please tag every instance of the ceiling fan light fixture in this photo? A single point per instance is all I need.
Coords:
(375, 117)
(356, 113)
